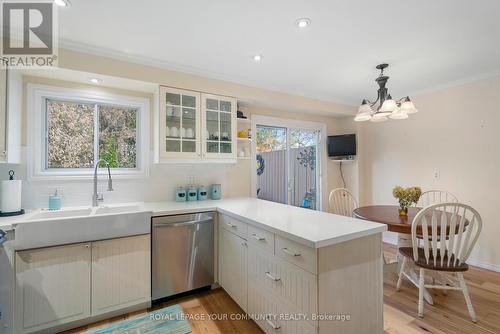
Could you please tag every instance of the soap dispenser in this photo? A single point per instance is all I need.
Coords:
(55, 201)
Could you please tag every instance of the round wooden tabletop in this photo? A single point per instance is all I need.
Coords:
(388, 214)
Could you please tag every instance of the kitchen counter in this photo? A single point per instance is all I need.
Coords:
(312, 228)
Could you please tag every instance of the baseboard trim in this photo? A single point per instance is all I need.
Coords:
(392, 238)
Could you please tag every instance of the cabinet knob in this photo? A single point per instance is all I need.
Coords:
(87, 246)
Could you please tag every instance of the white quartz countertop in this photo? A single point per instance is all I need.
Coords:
(311, 228)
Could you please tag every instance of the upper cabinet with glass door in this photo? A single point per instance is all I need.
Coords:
(179, 124)
(219, 126)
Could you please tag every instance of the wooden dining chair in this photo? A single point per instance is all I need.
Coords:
(459, 226)
(431, 197)
(342, 202)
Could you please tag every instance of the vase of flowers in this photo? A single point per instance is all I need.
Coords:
(406, 197)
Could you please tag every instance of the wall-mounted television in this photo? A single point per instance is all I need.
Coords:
(342, 146)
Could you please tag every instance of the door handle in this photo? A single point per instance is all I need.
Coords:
(256, 237)
(2, 237)
(188, 223)
(289, 252)
(231, 225)
(272, 277)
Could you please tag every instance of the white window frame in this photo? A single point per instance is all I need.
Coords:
(36, 158)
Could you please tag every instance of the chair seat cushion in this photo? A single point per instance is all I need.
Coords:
(408, 252)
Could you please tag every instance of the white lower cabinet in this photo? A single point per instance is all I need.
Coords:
(121, 272)
(233, 266)
(62, 284)
(52, 286)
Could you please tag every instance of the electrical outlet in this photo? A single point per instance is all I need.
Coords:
(436, 175)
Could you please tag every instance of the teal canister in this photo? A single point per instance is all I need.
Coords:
(202, 193)
(216, 191)
(55, 201)
(180, 194)
(192, 194)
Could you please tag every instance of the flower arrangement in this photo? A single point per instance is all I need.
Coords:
(406, 197)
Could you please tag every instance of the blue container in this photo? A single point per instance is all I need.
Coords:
(202, 193)
(216, 191)
(192, 194)
(180, 194)
(55, 201)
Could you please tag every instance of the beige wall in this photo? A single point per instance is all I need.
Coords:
(456, 133)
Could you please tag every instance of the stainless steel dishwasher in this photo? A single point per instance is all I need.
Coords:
(182, 253)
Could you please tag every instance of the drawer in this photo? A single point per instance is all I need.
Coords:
(233, 225)
(298, 254)
(261, 238)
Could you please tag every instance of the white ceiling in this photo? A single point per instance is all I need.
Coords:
(428, 43)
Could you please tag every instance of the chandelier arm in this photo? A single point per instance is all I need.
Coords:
(374, 102)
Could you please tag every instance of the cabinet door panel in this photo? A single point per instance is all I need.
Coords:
(180, 125)
(53, 286)
(120, 273)
(219, 126)
(233, 267)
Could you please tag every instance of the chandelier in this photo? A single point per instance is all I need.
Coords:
(387, 107)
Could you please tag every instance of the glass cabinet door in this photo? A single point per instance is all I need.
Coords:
(180, 123)
(219, 126)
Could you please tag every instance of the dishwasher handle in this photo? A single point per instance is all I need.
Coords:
(188, 223)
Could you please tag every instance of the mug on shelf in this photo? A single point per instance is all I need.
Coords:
(174, 132)
(189, 133)
(167, 131)
(183, 132)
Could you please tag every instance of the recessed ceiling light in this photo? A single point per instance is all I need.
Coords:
(95, 80)
(257, 58)
(62, 3)
(303, 22)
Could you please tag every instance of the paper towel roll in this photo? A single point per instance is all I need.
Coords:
(10, 196)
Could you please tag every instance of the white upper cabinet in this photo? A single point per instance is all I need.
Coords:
(219, 126)
(195, 127)
(179, 124)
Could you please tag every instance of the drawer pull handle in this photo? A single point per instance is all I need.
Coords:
(289, 252)
(231, 225)
(272, 277)
(273, 325)
(256, 237)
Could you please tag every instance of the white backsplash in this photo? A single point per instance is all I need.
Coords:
(159, 186)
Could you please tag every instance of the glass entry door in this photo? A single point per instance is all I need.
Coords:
(288, 165)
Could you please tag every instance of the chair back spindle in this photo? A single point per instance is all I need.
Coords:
(342, 202)
(449, 232)
(431, 197)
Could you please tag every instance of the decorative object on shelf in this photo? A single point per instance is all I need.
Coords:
(192, 193)
(55, 201)
(10, 197)
(239, 114)
(406, 198)
(202, 193)
(180, 194)
(387, 107)
(243, 134)
(216, 191)
(260, 164)
(307, 157)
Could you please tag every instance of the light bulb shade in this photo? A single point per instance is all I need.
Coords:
(379, 117)
(362, 118)
(389, 106)
(398, 114)
(408, 106)
(365, 109)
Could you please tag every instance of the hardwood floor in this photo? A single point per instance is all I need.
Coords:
(448, 315)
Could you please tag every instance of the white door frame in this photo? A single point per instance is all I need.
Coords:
(299, 124)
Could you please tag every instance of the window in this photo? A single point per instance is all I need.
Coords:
(77, 128)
